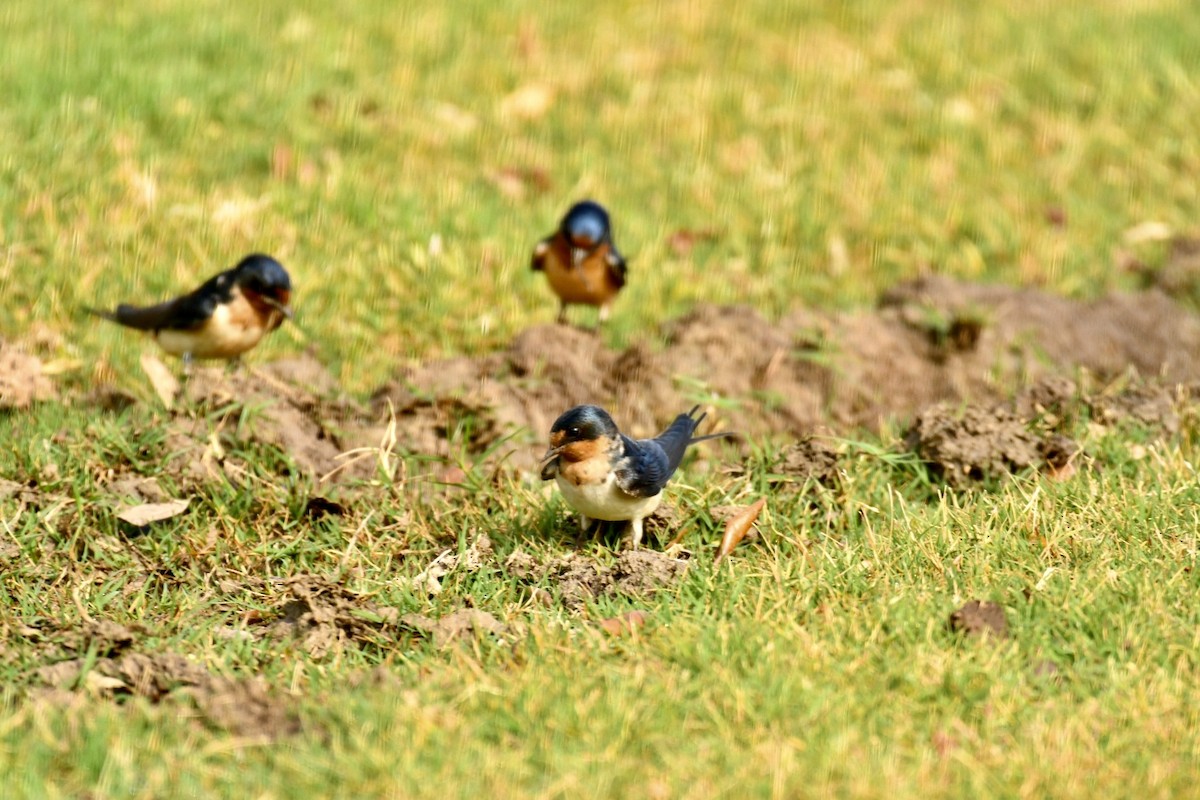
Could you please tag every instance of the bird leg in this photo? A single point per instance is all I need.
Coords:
(584, 524)
(562, 314)
(634, 538)
(187, 365)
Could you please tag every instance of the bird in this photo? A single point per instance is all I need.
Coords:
(226, 316)
(605, 475)
(581, 261)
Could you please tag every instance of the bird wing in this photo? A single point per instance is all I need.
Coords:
(181, 314)
(616, 265)
(538, 262)
(649, 463)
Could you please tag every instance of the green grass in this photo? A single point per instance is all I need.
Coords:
(817, 661)
(147, 145)
(144, 146)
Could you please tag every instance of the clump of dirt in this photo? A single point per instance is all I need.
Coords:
(22, 378)
(1051, 399)
(23, 492)
(809, 462)
(475, 558)
(812, 459)
(580, 579)
(323, 617)
(293, 406)
(106, 665)
(980, 618)
(245, 707)
(288, 405)
(963, 446)
(456, 625)
(138, 488)
(1147, 405)
(644, 572)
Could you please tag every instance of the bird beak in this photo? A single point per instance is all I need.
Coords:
(578, 254)
(278, 306)
(550, 454)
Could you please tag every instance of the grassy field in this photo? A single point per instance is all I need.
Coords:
(401, 160)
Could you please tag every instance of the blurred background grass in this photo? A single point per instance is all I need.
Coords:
(402, 159)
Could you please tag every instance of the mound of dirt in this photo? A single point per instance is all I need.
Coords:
(455, 625)
(293, 406)
(22, 379)
(579, 579)
(973, 444)
(323, 617)
(106, 665)
(980, 618)
(931, 341)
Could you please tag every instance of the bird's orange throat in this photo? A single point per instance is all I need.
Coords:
(584, 450)
(269, 313)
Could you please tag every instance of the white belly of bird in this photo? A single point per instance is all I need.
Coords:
(222, 336)
(606, 500)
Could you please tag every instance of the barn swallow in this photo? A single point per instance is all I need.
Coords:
(224, 318)
(581, 261)
(603, 474)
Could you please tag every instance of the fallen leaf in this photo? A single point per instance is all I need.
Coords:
(283, 160)
(164, 383)
(1149, 231)
(513, 182)
(737, 528)
(140, 516)
(528, 102)
(628, 622)
(684, 240)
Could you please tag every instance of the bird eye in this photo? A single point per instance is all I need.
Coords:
(572, 431)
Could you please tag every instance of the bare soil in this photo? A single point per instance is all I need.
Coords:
(983, 375)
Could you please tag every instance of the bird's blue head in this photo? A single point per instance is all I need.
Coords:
(586, 225)
(264, 279)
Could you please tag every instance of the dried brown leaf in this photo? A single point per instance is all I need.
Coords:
(528, 102)
(737, 528)
(626, 623)
(140, 516)
(166, 386)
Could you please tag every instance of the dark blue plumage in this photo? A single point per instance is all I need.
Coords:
(648, 464)
(256, 272)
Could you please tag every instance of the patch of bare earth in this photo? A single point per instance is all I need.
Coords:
(23, 380)
(292, 405)
(931, 341)
(575, 577)
(322, 617)
(578, 579)
(99, 660)
(980, 618)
